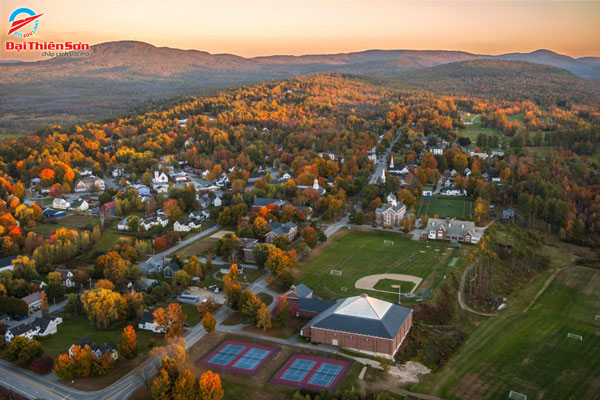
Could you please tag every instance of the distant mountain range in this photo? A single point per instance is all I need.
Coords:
(119, 75)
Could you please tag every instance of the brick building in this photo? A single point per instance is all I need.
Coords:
(361, 323)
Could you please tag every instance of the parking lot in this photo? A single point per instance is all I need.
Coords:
(217, 298)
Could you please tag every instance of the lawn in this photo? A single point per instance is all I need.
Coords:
(76, 328)
(530, 352)
(471, 131)
(359, 253)
(78, 221)
(445, 207)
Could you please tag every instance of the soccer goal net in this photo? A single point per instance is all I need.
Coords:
(388, 242)
(516, 396)
(574, 336)
(597, 317)
(335, 272)
(343, 289)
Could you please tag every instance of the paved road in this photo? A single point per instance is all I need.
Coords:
(337, 226)
(382, 161)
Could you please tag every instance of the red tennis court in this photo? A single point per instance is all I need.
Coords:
(311, 372)
(241, 357)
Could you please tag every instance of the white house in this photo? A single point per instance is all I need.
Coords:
(160, 177)
(86, 184)
(217, 201)
(123, 225)
(85, 172)
(60, 204)
(142, 190)
(67, 277)
(147, 323)
(80, 205)
(438, 151)
(161, 188)
(39, 327)
(97, 350)
(186, 226)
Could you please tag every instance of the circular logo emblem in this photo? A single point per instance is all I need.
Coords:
(23, 22)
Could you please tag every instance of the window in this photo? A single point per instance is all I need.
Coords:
(366, 339)
(335, 334)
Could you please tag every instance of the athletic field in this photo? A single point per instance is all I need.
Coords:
(446, 207)
(529, 352)
(358, 253)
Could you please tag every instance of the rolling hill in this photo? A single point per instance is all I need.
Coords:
(121, 75)
(507, 79)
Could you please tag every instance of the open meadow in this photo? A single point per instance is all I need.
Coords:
(358, 254)
(529, 352)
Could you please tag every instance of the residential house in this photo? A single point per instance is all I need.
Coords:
(452, 229)
(6, 264)
(186, 226)
(288, 229)
(508, 215)
(97, 350)
(161, 188)
(180, 177)
(361, 323)
(80, 205)
(169, 271)
(122, 226)
(438, 151)
(33, 301)
(147, 323)
(39, 327)
(142, 190)
(26, 330)
(60, 203)
(199, 216)
(86, 172)
(87, 183)
(67, 277)
(118, 170)
(247, 245)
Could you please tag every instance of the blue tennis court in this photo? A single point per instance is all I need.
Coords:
(226, 354)
(252, 358)
(298, 370)
(240, 357)
(311, 372)
(325, 375)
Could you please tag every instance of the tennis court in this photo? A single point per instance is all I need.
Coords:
(311, 372)
(241, 357)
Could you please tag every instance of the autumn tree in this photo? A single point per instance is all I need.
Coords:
(210, 386)
(194, 267)
(23, 351)
(128, 346)
(172, 210)
(209, 322)
(103, 307)
(170, 320)
(310, 237)
(105, 284)
(263, 317)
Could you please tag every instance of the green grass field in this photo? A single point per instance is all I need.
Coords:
(358, 254)
(73, 330)
(445, 207)
(392, 285)
(530, 352)
(471, 131)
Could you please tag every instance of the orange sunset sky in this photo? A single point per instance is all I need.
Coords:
(264, 27)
